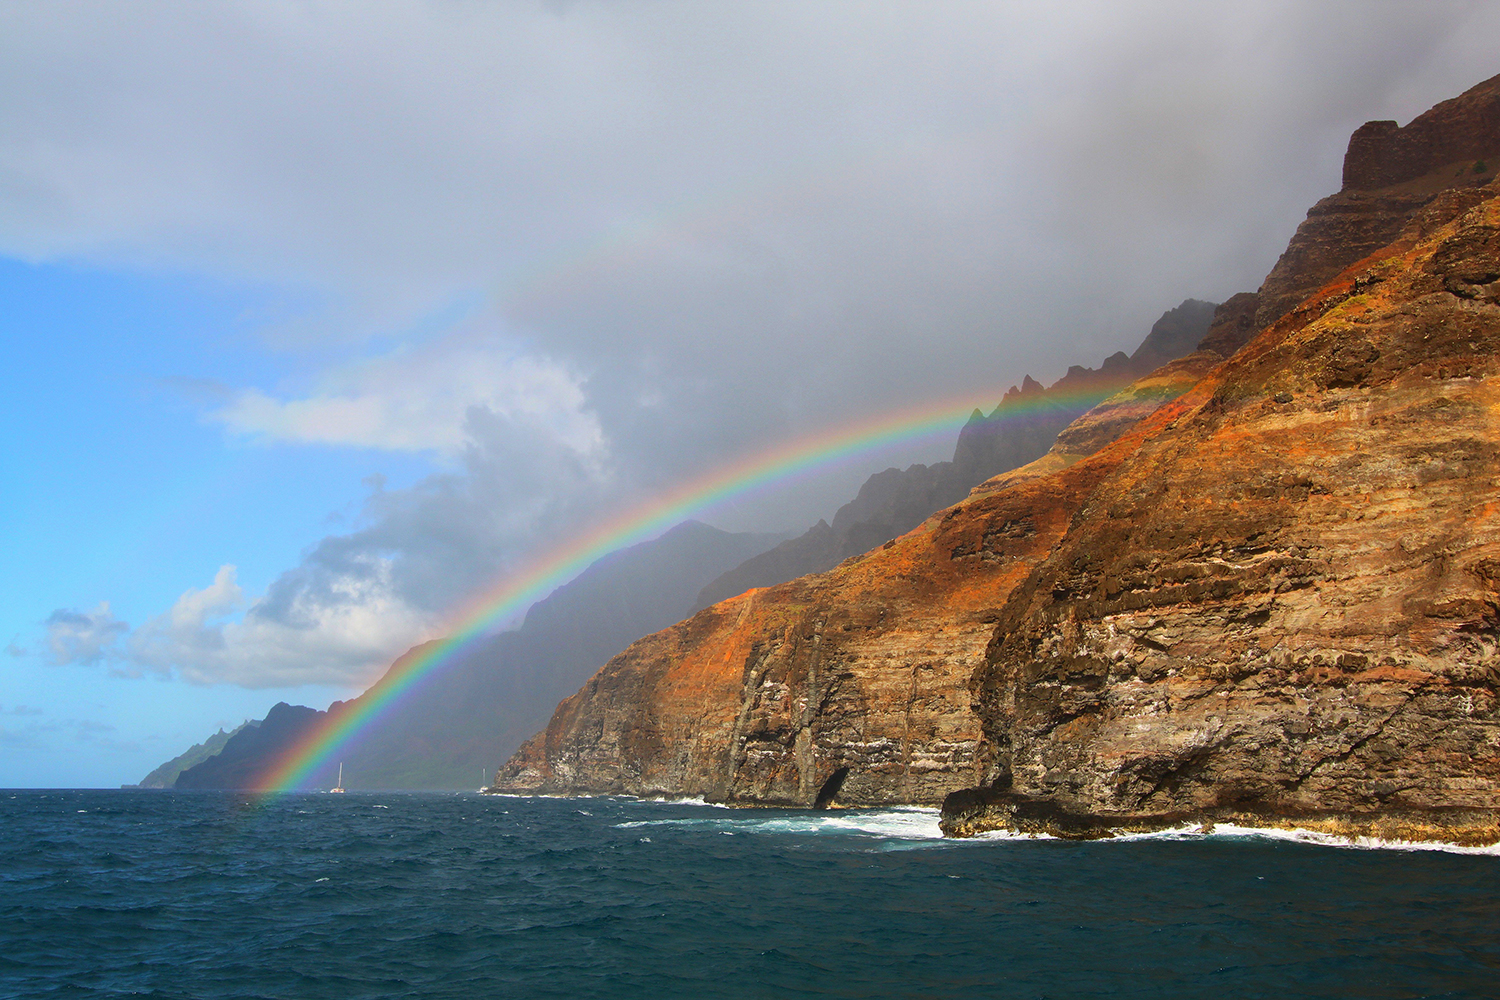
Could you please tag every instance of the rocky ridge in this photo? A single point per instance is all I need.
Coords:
(848, 687)
(1390, 173)
(1020, 429)
(1279, 603)
(1272, 599)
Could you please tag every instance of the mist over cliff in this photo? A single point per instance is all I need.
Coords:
(1261, 589)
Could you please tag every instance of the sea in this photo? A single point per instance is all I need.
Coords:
(218, 894)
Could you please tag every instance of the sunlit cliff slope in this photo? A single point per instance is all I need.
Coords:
(1271, 597)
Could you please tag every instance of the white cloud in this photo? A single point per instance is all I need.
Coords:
(346, 632)
(83, 636)
(344, 636)
(419, 399)
(718, 224)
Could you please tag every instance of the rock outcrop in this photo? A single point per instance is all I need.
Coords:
(1390, 173)
(1263, 590)
(1021, 428)
(1280, 602)
(848, 687)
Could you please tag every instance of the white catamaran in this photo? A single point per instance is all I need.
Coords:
(339, 788)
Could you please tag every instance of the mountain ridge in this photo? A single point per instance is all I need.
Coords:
(1022, 426)
(1004, 656)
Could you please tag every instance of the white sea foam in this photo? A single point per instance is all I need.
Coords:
(905, 823)
(1228, 831)
(1317, 838)
(916, 826)
(697, 801)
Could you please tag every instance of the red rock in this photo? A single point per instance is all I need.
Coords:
(1271, 596)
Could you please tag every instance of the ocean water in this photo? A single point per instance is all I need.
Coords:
(208, 894)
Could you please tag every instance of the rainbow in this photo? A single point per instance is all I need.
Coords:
(774, 468)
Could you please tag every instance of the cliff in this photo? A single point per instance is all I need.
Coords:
(1279, 601)
(1020, 429)
(165, 776)
(1271, 599)
(244, 755)
(848, 687)
(1390, 174)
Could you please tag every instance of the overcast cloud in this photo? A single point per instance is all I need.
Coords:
(579, 252)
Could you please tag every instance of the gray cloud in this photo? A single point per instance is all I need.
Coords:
(616, 246)
(82, 636)
(358, 599)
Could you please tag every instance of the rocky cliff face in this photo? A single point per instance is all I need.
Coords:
(1279, 602)
(1390, 173)
(1020, 429)
(1273, 598)
(848, 687)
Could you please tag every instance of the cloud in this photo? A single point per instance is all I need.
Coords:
(730, 221)
(586, 252)
(340, 634)
(14, 648)
(358, 599)
(414, 400)
(82, 636)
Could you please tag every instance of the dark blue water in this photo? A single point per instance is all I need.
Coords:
(106, 894)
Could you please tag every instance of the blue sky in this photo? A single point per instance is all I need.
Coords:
(319, 317)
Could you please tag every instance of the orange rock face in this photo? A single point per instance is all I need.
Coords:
(849, 687)
(1280, 603)
(852, 684)
(1275, 597)
(1390, 174)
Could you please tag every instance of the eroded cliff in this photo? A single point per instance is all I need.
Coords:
(1271, 597)
(848, 687)
(1279, 604)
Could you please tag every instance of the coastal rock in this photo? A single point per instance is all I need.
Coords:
(1390, 173)
(845, 688)
(1020, 429)
(1260, 585)
(1281, 602)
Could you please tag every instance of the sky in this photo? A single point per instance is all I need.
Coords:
(320, 318)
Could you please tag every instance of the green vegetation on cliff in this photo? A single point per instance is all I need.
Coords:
(166, 775)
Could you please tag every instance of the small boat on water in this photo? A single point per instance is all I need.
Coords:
(484, 778)
(339, 788)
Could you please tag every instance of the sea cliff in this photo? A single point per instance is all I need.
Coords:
(1259, 584)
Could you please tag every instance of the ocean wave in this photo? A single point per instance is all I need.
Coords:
(918, 824)
(1229, 831)
(1298, 835)
(903, 823)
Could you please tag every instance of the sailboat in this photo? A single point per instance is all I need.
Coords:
(339, 788)
(484, 779)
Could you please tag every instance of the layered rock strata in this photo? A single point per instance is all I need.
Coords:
(1390, 173)
(843, 688)
(1280, 603)
(1274, 598)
